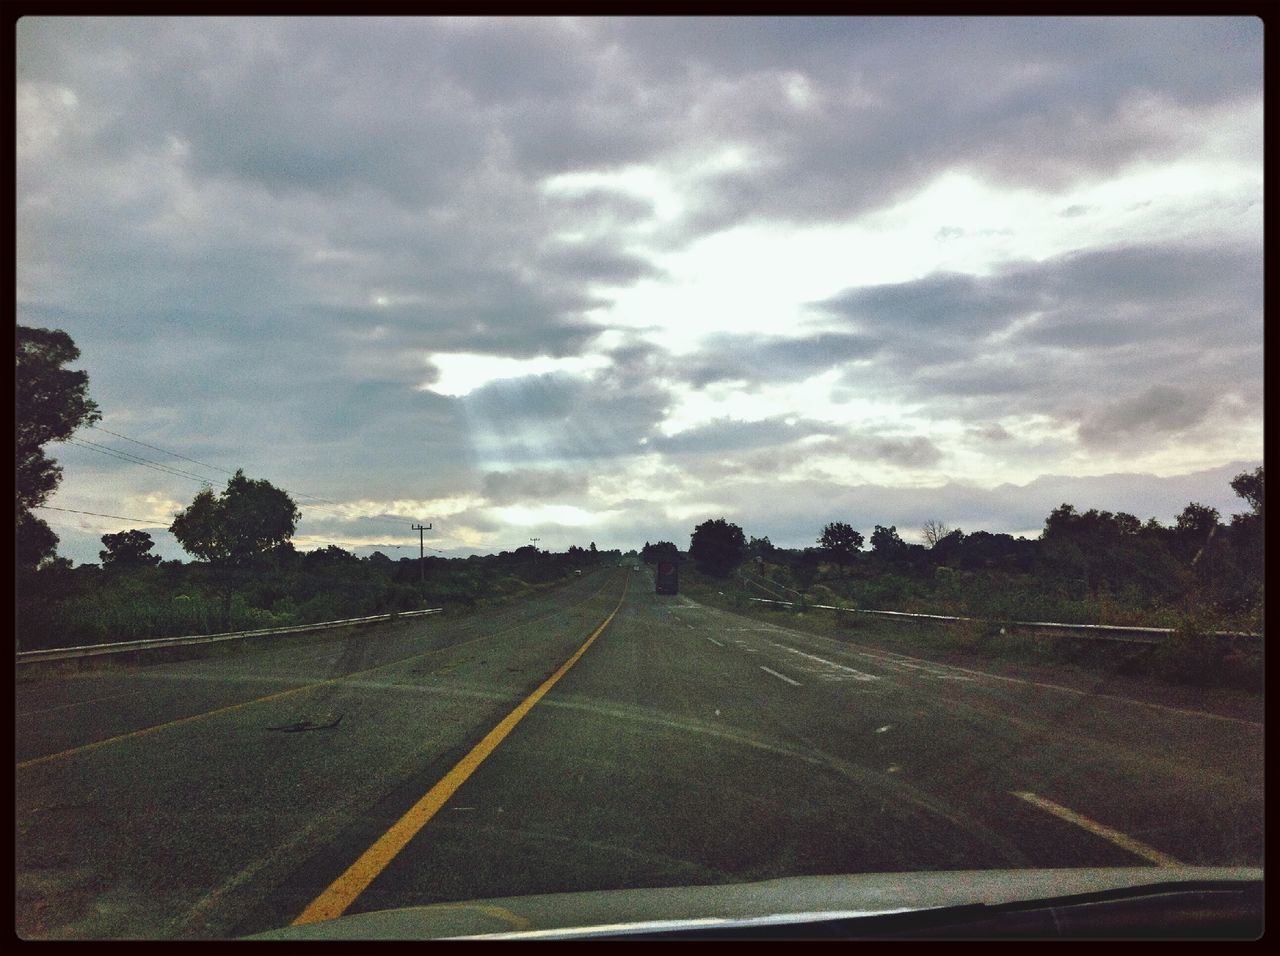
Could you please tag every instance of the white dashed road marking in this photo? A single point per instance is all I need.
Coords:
(857, 675)
(780, 676)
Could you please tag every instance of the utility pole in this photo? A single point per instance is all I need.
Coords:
(422, 561)
(535, 547)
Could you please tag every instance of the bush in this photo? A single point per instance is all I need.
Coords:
(1190, 655)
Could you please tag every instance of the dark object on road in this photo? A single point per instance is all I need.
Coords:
(667, 580)
(307, 725)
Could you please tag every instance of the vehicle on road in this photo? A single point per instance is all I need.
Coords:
(667, 578)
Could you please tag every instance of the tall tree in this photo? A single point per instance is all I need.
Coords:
(232, 530)
(841, 542)
(717, 546)
(51, 402)
(1248, 485)
(886, 543)
(128, 549)
(249, 519)
(1247, 528)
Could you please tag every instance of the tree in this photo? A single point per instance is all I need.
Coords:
(840, 542)
(248, 519)
(1246, 528)
(659, 550)
(717, 546)
(128, 549)
(949, 548)
(328, 558)
(886, 543)
(934, 531)
(1248, 485)
(51, 403)
(1194, 528)
(1247, 532)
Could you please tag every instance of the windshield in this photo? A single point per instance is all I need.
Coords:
(468, 459)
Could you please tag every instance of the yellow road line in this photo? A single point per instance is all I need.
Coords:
(343, 891)
(1097, 829)
(85, 748)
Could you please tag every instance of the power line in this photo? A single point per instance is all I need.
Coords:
(167, 451)
(137, 460)
(161, 450)
(166, 469)
(149, 521)
(297, 494)
(154, 522)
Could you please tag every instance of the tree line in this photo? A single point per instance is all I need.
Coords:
(1082, 565)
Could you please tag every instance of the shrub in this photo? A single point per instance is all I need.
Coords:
(1190, 655)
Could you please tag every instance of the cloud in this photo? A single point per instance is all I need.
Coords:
(847, 115)
(760, 359)
(1160, 409)
(726, 435)
(562, 417)
(532, 485)
(991, 432)
(1039, 338)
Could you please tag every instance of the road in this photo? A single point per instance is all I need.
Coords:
(684, 745)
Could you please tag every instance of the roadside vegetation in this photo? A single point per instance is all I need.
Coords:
(61, 606)
(1198, 576)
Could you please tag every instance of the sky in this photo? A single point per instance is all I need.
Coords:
(599, 280)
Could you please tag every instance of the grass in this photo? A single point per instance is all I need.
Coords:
(1191, 657)
(164, 655)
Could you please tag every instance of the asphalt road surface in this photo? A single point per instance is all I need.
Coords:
(529, 749)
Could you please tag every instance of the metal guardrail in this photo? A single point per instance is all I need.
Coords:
(776, 584)
(1101, 631)
(96, 650)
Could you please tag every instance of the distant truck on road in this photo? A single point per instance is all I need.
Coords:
(667, 578)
